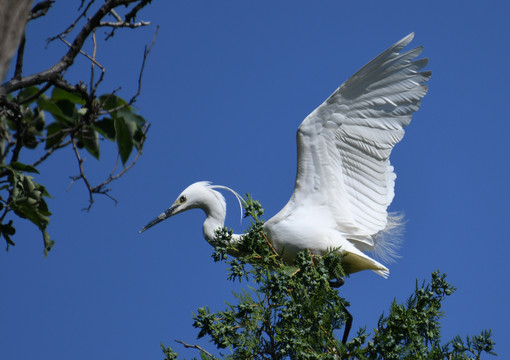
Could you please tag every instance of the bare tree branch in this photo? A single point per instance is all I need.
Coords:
(198, 347)
(78, 88)
(37, 94)
(19, 58)
(132, 14)
(68, 59)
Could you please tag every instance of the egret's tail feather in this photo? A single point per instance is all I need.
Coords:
(384, 273)
(387, 241)
(355, 261)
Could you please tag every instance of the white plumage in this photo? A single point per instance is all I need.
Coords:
(344, 181)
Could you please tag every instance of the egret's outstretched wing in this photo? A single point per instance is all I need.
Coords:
(344, 145)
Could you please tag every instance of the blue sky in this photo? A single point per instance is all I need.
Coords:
(225, 88)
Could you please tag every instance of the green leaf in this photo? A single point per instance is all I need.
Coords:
(124, 138)
(68, 109)
(44, 192)
(27, 92)
(22, 167)
(26, 211)
(137, 138)
(61, 94)
(130, 116)
(39, 119)
(89, 138)
(48, 244)
(106, 128)
(57, 109)
(48, 105)
(168, 352)
(111, 101)
(126, 120)
(54, 134)
(135, 123)
(27, 113)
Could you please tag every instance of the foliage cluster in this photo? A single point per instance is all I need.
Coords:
(44, 112)
(293, 312)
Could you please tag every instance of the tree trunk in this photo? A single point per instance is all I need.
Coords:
(13, 18)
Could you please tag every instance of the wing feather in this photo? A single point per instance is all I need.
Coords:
(344, 145)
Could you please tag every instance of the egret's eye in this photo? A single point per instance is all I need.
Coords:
(182, 199)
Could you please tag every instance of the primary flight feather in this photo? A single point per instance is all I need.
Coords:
(344, 181)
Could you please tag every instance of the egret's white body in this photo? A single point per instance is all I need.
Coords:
(344, 181)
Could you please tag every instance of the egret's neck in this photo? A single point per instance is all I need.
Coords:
(215, 220)
(211, 224)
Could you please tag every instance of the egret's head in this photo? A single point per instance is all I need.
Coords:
(198, 195)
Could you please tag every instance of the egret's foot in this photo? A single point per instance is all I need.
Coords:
(336, 283)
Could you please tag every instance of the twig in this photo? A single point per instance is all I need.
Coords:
(92, 66)
(82, 174)
(115, 15)
(146, 53)
(295, 272)
(40, 9)
(50, 151)
(93, 88)
(82, 2)
(127, 22)
(115, 166)
(120, 24)
(106, 193)
(64, 33)
(91, 58)
(198, 347)
(98, 188)
(269, 243)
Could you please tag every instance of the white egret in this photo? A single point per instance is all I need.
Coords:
(344, 181)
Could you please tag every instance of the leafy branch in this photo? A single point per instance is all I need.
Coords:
(46, 112)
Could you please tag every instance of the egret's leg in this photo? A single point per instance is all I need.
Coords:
(348, 321)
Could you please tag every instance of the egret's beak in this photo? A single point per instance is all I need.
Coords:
(168, 213)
